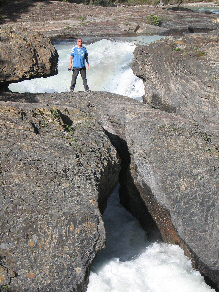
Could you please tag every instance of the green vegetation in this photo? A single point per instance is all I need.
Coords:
(82, 18)
(55, 113)
(4, 289)
(153, 19)
(63, 120)
(68, 128)
(41, 113)
(199, 54)
(174, 48)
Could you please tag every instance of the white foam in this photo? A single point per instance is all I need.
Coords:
(109, 71)
(132, 263)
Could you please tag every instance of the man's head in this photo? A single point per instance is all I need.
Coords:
(79, 43)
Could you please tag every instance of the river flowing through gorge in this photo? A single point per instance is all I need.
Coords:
(130, 261)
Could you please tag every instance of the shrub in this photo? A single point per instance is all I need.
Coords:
(153, 19)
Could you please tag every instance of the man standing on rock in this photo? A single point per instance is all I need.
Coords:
(78, 56)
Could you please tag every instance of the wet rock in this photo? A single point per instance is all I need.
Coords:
(25, 55)
(57, 170)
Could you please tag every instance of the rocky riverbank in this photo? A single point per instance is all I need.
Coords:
(59, 167)
(61, 153)
(58, 19)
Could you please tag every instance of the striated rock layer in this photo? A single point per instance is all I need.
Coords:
(62, 19)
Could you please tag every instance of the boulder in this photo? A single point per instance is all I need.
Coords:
(25, 55)
(58, 168)
(180, 76)
(175, 167)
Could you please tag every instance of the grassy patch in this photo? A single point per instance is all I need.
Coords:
(82, 18)
(200, 53)
(174, 48)
(4, 289)
(153, 19)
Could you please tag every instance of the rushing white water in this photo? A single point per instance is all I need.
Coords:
(109, 69)
(130, 262)
(212, 9)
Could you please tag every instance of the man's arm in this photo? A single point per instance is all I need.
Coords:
(87, 62)
(70, 63)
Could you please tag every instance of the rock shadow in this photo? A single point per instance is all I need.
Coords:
(129, 193)
(12, 9)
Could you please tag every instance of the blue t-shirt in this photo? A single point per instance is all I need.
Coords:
(79, 56)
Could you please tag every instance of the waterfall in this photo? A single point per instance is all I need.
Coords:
(130, 262)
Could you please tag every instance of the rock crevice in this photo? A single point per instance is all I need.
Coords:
(51, 227)
(61, 156)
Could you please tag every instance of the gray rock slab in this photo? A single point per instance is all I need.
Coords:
(180, 75)
(175, 166)
(62, 19)
(57, 170)
(25, 55)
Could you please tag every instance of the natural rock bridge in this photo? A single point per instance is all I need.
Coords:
(62, 154)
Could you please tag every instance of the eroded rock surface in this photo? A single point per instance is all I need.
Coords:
(25, 55)
(57, 170)
(59, 165)
(180, 75)
(62, 19)
(173, 164)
